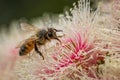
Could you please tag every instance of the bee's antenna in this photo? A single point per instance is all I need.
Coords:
(59, 30)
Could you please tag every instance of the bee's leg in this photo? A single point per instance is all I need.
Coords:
(36, 49)
(48, 38)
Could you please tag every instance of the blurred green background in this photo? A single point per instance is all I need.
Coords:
(15, 9)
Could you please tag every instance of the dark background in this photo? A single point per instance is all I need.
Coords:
(15, 9)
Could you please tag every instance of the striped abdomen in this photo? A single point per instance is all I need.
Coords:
(26, 48)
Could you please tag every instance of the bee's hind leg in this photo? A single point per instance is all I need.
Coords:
(36, 49)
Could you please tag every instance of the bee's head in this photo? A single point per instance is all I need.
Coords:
(52, 33)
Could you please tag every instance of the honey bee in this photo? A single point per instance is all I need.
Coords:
(39, 38)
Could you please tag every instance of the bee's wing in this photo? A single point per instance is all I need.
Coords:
(27, 27)
(21, 43)
(32, 38)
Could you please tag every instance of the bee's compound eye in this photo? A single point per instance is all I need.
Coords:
(50, 34)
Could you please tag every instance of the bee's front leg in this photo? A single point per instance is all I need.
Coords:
(36, 49)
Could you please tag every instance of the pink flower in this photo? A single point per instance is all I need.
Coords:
(74, 51)
(88, 50)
